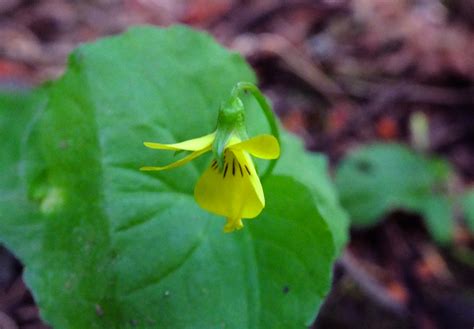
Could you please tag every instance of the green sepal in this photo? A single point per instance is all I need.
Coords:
(231, 121)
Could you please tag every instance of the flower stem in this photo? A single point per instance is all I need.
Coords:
(269, 115)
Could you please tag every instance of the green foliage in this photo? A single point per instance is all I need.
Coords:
(380, 178)
(307, 168)
(468, 207)
(108, 246)
(18, 112)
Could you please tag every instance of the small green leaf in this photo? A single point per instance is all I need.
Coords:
(380, 178)
(438, 214)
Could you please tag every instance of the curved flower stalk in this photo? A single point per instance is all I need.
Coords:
(230, 186)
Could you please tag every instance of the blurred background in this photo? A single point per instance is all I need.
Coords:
(385, 89)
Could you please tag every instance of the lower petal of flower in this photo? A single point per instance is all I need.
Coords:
(234, 192)
(233, 224)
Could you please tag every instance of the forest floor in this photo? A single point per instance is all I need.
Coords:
(340, 74)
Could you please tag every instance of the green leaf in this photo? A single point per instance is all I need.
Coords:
(383, 177)
(468, 207)
(18, 113)
(113, 247)
(438, 214)
(311, 169)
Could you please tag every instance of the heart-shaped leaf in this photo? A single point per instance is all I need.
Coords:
(108, 246)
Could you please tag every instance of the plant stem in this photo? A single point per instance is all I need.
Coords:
(269, 115)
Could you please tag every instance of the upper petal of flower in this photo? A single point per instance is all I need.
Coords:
(234, 192)
(178, 163)
(189, 145)
(261, 146)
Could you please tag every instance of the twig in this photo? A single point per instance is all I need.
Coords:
(407, 92)
(293, 58)
(6, 322)
(247, 18)
(370, 285)
(244, 18)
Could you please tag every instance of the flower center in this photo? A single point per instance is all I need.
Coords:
(232, 166)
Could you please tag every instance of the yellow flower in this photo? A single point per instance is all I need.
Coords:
(230, 188)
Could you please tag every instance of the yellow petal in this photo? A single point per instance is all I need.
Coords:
(235, 192)
(178, 163)
(262, 146)
(189, 145)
